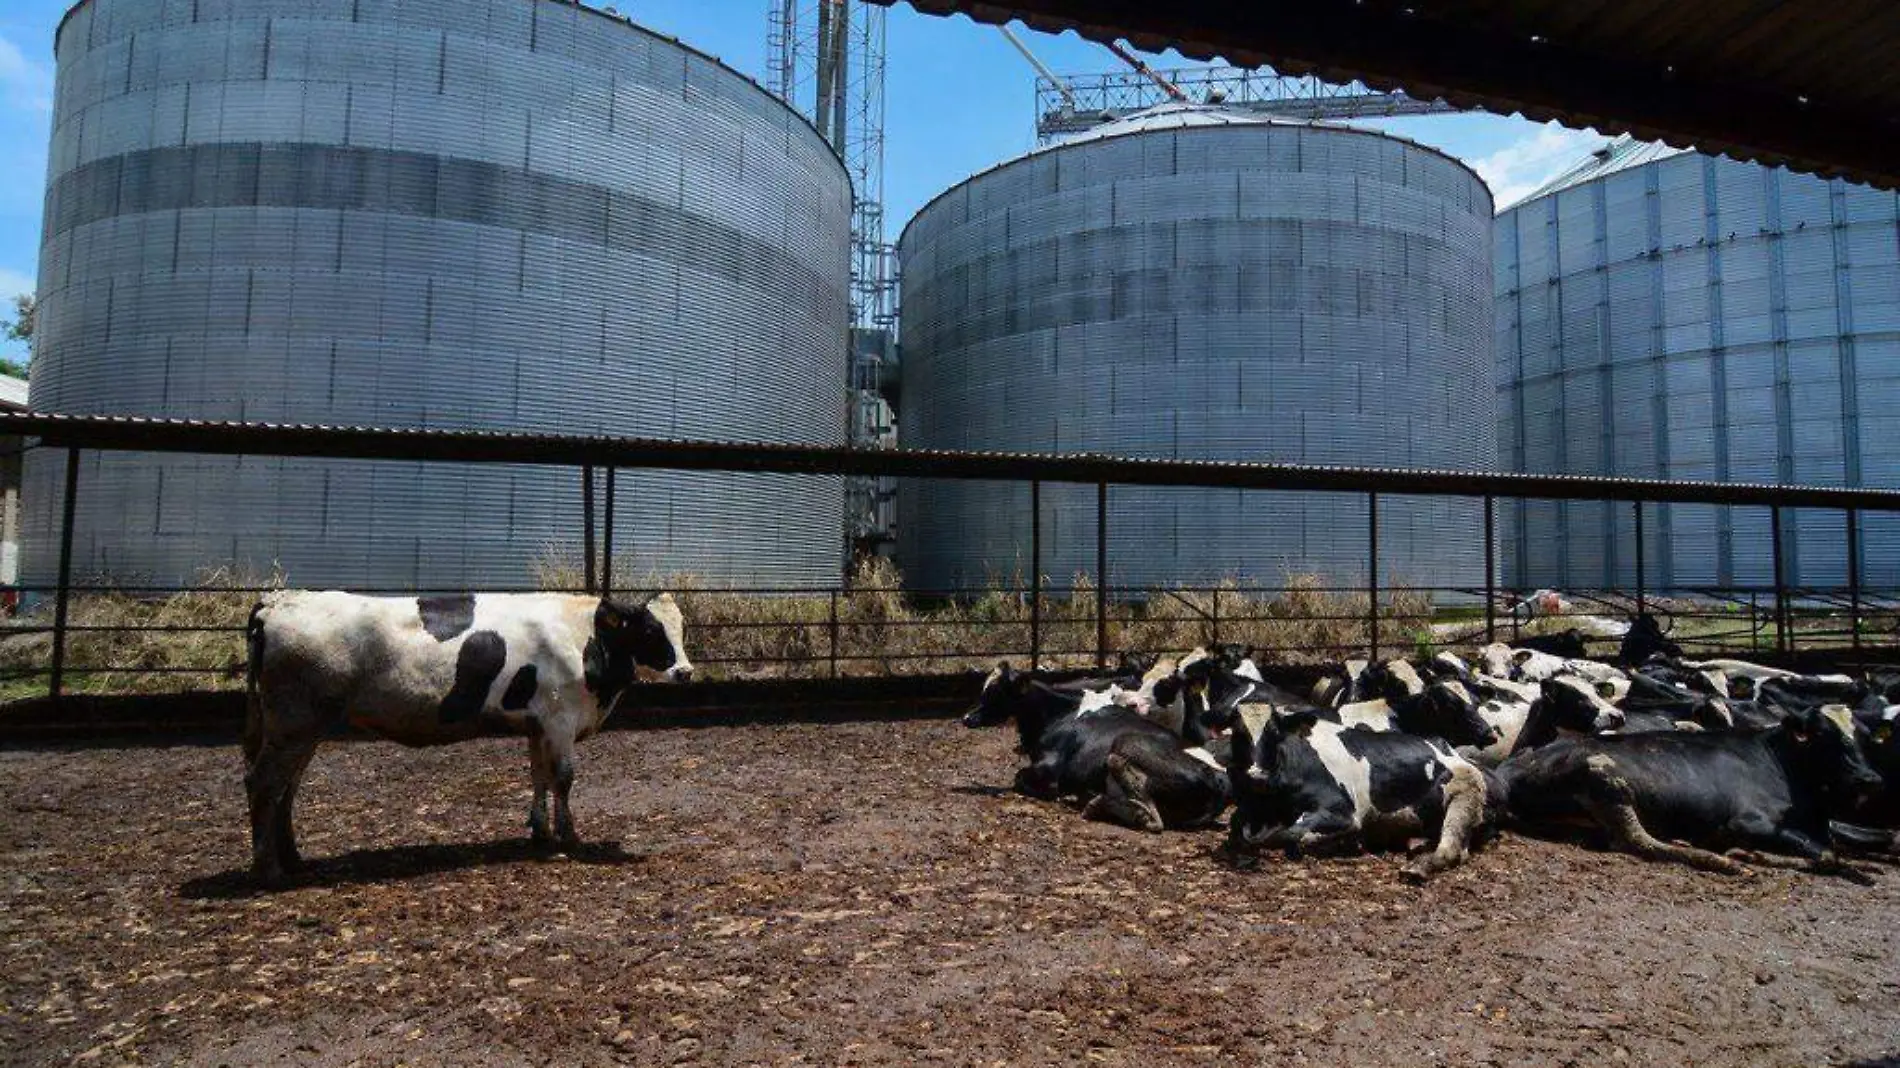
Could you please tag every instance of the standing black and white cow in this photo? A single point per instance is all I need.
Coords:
(1310, 786)
(435, 670)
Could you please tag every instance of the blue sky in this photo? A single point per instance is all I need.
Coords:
(958, 99)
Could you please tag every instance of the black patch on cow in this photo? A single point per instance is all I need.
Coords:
(477, 666)
(520, 689)
(446, 617)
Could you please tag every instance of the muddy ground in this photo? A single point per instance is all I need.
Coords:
(859, 894)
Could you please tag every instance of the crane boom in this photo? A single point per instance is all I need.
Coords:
(1168, 87)
(1047, 74)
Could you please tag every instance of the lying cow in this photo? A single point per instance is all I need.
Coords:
(1309, 786)
(434, 670)
(1771, 790)
(1090, 744)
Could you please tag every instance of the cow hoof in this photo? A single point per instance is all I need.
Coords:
(1415, 875)
(269, 878)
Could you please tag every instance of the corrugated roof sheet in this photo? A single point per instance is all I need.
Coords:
(1619, 154)
(1809, 84)
(12, 393)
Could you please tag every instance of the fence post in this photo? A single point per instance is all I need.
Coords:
(1641, 593)
(832, 630)
(1101, 574)
(1214, 619)
(1372, 573)
(607, 541)
(1853, 577)
(1754, 622)
(587, 528)
(1782, 637)
(1490, 569)
(63, 595)
(1035, 574)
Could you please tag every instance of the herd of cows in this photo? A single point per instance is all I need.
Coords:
(1669, 758)
(1689, 761)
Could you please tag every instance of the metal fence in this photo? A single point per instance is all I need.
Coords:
(880, 628)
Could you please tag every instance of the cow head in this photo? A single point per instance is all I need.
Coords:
(1134, 665)
(996, 702)
(1825, 753)
(1448, 710)
(1575, 705)
(646, 637)
(1260, 807)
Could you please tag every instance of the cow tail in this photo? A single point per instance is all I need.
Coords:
(253, 669)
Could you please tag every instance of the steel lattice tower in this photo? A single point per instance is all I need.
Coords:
(825, 58)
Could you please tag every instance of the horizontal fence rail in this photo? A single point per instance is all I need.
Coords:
(98, 631)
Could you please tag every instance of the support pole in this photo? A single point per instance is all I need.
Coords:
(1035, 575)
(63, 595)
(1490, 569)
(1372, 574)
(1853, 576)
(1101, 574)
(1781, 588)
(607, 541)
(587, 529)
(833, 632)
(1641, 592)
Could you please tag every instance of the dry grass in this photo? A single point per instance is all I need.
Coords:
(145, 643)
(882, 630)
(870, 627)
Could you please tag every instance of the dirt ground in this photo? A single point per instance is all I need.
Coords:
(860, 894)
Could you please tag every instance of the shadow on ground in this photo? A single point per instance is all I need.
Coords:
(396, 863)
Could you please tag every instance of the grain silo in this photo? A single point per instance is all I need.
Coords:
(1198, 284)
(1666, 314)
(490, 214)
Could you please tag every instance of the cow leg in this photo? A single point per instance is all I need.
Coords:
(1039, 781)
(269, 785)
(287, 855)
(1611, 802)
(1315, 832)
(1803, 852)
(1464, 817)
(541, 767)
(563, 754)
(1126, 800)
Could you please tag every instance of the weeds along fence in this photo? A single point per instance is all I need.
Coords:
(87, 634)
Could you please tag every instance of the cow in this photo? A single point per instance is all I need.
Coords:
(1088, 744)
(1644, 639)
(1309, 786)
(435, 670)
(1770, 790)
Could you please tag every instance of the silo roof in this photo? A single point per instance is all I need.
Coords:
(1620, 154)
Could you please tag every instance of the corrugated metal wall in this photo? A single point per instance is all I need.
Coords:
(497, 214)
(1698, 318)
(1237, 292)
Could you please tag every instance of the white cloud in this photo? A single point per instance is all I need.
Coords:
(1516, 170)
(24, 84)
(12, 283)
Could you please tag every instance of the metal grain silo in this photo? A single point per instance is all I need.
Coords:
(1666, 314)
(1196, 284)
(490, 214)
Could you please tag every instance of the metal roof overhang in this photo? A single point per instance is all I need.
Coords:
(376, 443)
(1809, 84)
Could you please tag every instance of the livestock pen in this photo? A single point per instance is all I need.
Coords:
(860, 886)
(106, 634)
